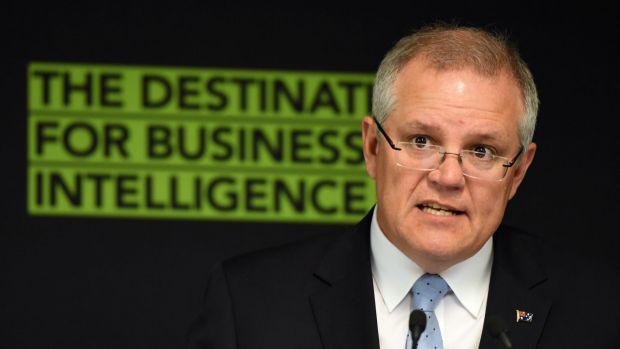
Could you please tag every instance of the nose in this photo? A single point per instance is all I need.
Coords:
(449, 173)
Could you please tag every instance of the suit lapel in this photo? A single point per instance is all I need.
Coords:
(342, 297)
(516, 279)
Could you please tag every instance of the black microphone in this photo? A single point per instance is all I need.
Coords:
(498, 329)
(417, 324)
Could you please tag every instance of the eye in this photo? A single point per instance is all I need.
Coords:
(482, 152)
(420, 141)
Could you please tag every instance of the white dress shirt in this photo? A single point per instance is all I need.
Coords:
(460, 313)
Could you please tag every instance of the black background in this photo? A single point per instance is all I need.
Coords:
(104, 283)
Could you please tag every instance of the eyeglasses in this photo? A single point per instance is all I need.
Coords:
(427, 157)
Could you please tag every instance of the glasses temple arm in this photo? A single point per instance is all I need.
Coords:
(512, 162)
(385, 135)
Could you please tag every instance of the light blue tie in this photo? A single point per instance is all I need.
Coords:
(426, 293)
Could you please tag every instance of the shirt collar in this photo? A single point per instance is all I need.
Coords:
(395, 273)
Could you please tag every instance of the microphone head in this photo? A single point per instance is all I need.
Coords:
(495, 325)
(417, 319)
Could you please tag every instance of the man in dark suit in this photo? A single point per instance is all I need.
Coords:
(448, 145)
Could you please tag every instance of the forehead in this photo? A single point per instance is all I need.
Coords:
(460, 100)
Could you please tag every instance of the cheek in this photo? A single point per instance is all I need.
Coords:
(395, 185)
(490, 202)
(387, 175)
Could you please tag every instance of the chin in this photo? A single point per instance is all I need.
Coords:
(441, 247)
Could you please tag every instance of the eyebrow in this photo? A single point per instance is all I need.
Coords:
(428, 127)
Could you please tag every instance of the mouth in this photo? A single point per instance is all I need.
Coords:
(439, 210)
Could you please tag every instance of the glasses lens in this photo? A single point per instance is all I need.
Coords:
(478, 165)
(419, 156)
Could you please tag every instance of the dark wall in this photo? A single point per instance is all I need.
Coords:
(113, 283)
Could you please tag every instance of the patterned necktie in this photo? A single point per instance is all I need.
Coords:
(426, 293)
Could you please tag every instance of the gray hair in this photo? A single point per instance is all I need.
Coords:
(452, 47)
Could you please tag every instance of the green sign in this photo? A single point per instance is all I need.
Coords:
(189, 143)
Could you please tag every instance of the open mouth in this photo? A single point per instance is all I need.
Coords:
(438, 210)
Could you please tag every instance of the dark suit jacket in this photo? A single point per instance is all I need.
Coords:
(319, 294)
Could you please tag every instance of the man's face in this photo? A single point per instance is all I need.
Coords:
(459, 110)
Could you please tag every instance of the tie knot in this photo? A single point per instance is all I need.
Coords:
(427, 291)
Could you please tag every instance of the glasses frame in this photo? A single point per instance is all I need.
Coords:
(507, 165)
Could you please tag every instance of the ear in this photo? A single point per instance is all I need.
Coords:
(369, 140)
(521, 168)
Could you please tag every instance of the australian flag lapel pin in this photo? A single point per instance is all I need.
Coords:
(524, 316)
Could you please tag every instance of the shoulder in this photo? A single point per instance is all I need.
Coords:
(550, 255)
(514, 246)
(294, 262)
(255, 291)
(285, 261)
